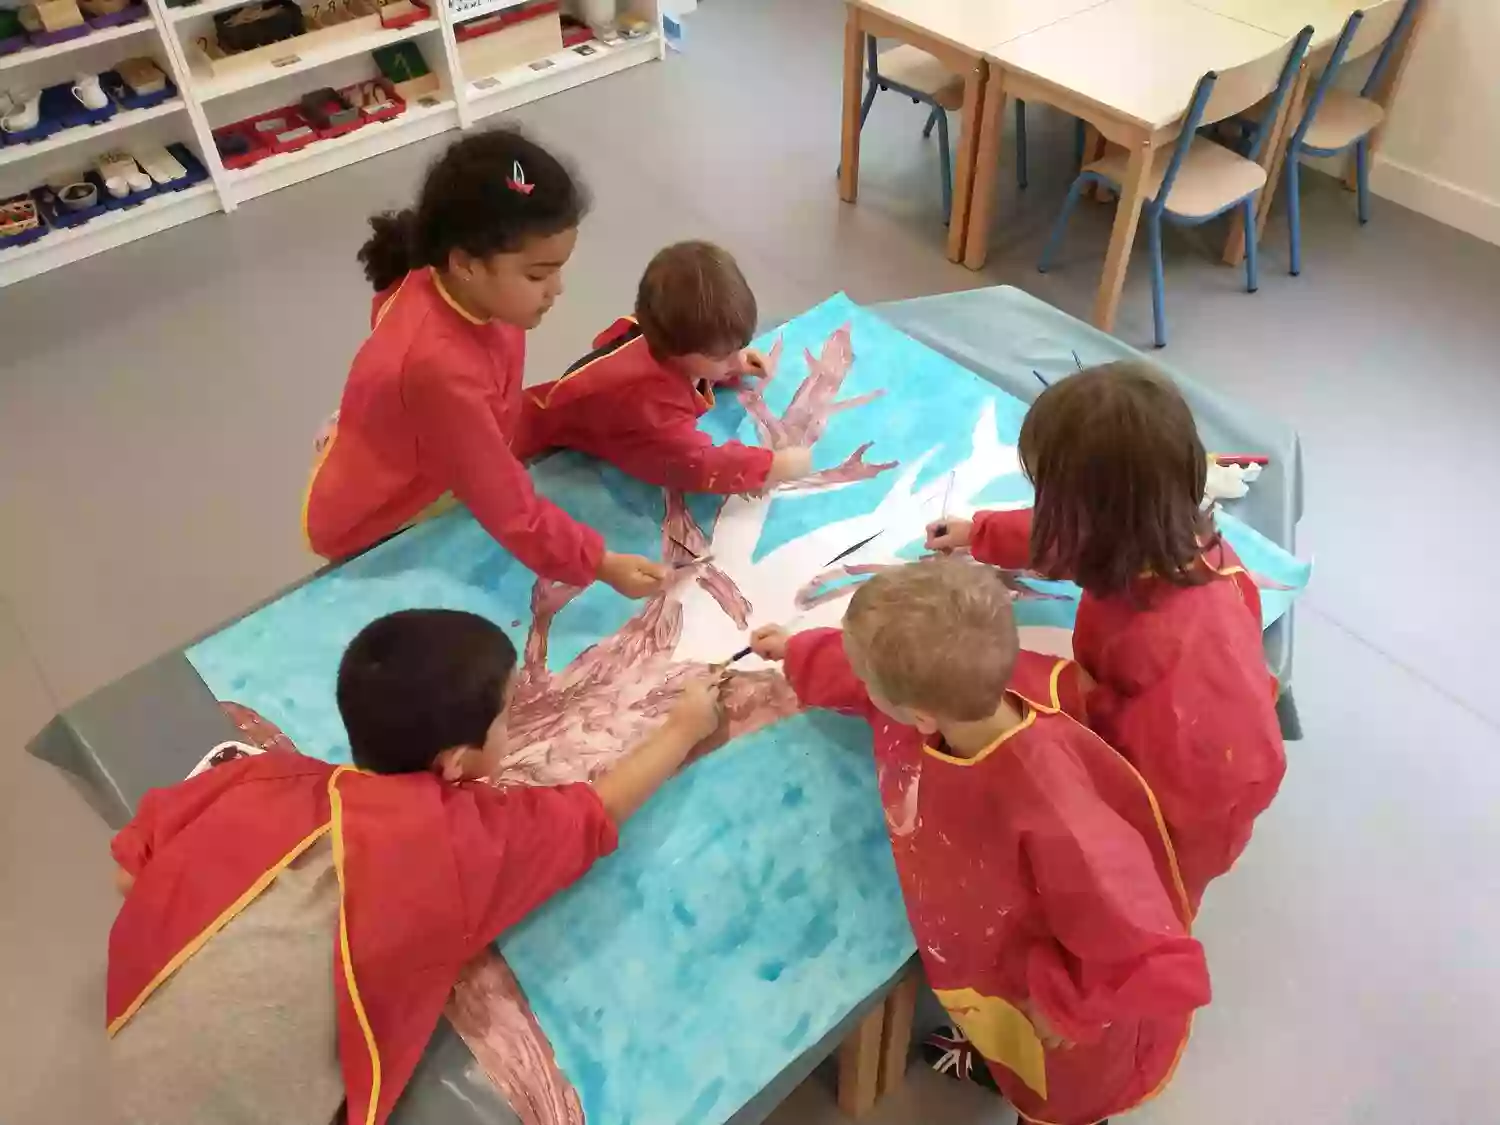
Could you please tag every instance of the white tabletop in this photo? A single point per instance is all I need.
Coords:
(1136, 59)
(1287, 17)
(976, 25)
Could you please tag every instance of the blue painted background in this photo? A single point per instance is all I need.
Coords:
(753, 903)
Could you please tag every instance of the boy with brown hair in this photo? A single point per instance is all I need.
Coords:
(292, 928)
(1040, 885)
(635, 400)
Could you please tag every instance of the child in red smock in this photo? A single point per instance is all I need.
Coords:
(1040, 885)
(432, 406)
(292, 929)
(1169, 624)
(635, 400)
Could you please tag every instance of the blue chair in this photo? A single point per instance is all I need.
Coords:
(1335, 120)
(1198, 179)
(922, 78)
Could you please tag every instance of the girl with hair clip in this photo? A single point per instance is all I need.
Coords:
(432, 405)
(1169, 624)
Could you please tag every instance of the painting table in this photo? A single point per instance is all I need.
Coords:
(802, 789)
(956, 32)
(1126, 67)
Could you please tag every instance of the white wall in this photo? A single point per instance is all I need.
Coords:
(1441, 154)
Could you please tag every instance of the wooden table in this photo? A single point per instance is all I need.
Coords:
(956, 32)
(1128, 68)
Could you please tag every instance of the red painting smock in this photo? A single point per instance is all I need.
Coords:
(1038, 879)
(620, 404)
(1182, 690)
(429, 874)
(433, 406)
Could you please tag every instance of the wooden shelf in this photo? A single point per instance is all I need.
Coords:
(298, 61)
(484, 8)
(93, 39)
(276, 172)
(123, 119)
(496, 93)
(113, 229)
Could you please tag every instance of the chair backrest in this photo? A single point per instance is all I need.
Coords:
(1217, 96)
(1386, 23)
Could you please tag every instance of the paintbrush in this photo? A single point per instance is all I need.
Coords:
(697, 559)
(847, 551)
(942, 525)
(723, 667)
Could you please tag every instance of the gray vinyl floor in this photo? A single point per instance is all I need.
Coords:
(157, 403)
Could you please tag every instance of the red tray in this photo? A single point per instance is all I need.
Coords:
(255, 153)
(394, 107)
(278, 140)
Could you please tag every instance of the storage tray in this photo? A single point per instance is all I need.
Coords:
(118, 19)
(54, 214)
(116, 88)
(59, 104)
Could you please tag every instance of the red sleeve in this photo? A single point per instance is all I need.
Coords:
(1118, 948)
(1002, 538)
(517, 847)
(163, 813)
(459, 433)
(819, 673)
(672, 452)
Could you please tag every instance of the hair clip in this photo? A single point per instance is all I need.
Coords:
(517, 181)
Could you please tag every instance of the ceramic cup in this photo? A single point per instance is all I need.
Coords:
(138, 181)
(25, 116)
(117, 186)
(79, 197)
(87, 90)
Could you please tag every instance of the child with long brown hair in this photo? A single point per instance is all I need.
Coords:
(432, 405)
(1169, 624)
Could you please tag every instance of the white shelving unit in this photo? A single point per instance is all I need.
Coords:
(207, 101)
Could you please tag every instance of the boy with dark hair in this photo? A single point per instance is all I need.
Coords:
(635, 400)
(1040, 886)
(292, 929)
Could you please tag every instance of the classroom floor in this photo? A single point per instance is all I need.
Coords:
(152, 454)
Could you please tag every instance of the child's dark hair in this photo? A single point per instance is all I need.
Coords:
(415, 683)
(473, 201)
(1119, 472)
(693, 300)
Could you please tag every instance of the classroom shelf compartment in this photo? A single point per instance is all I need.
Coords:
(124, 119)
(323, 53)
(92, 39)
(508, 89)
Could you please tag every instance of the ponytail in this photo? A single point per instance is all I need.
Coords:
(387, 254)
(488, 194)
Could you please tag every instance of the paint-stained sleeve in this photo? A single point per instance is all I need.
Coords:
(516, 847)
(163, 813)
(666, 448)
(1117, 948)
(461, 442)
(819, 672)
(1002, 538)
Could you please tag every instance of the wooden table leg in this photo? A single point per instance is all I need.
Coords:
(1272, 158)
(1127, 216)
(986, 170)
(859, 1065)
(963, 174)
(1386, 95)
(854, 73)
(895, 1047)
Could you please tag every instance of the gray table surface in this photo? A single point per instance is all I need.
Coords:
(150, 727)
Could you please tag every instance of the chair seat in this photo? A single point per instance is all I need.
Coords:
(915, 69)
(1211, 177)
(1342, 119)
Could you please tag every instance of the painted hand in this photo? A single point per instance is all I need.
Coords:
(948, 535)
(789, 464)
(769, 642)
(753, 364)
(632, 575)
(697, 712)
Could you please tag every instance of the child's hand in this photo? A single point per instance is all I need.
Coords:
(632, 575)
(696, 714)
(769, 642)
(951, 534)
(1044, 1030)
(753, 364)
(789, 464)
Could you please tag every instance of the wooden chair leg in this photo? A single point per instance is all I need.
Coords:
(895, 1047)
(859, 1065)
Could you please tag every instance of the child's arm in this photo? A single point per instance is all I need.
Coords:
(515, 847)
(458, 433)
(997, 538)
(672, 452)
(815, 665)
(1120, 949)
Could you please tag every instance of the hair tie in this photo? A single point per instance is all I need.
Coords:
(517, 181)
